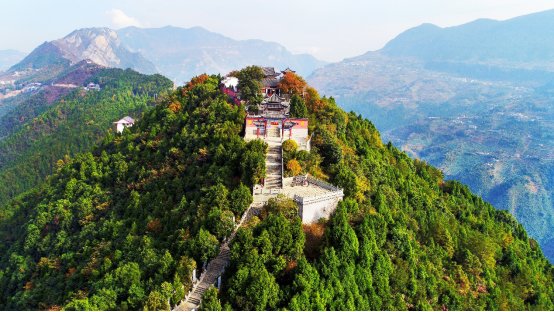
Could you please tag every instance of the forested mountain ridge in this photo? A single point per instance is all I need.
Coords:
(37, 133)
(123, 227)
(402, 238)
(119, 228)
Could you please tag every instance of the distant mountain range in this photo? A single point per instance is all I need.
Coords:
(177, 53)
(524, 42)
(181, 53)
(475, 100)
(10, 57)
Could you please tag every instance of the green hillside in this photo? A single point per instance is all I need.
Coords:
(403, 238)
(122, 227)
(36, 134)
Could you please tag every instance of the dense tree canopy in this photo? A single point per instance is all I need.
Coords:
(70, 125)
(250, 84)
(402, 238)
(298, 107)
(124, 226)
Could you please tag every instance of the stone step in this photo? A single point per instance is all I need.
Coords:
(217, 266)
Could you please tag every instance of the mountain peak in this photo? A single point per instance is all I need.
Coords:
(96, 44)
(524, 39)
(100, 45)
(179, 53)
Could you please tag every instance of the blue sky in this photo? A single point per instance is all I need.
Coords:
(330, 30)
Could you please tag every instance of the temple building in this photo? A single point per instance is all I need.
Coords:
(270, 83)
(272, 119)
(316, 199)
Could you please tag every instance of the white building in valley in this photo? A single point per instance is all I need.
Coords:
(123, 123)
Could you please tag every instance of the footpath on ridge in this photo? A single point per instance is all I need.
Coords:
(216, 267)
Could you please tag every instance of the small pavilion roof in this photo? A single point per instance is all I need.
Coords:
(126, 120)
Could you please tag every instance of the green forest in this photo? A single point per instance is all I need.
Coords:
(35, 135)
(121, 227)
(402, 239)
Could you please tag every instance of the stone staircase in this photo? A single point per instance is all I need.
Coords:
(216, 267)
(273, 176)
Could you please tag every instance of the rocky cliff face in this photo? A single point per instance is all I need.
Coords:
(94, 44)
(100, 45)
(103, 47)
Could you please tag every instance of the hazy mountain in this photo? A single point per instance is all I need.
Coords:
(475, 100)
(100, 45)
(177, 53)
(9, 57)
(525, 39)
(181, 53)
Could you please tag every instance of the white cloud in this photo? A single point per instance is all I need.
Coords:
(120, 19)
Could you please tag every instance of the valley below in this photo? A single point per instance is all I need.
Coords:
(494, 135)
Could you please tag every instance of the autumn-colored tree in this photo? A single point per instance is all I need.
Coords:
(195, 81)
(290, 146)
(292, 83)
(313, 101)
(154, 226)
(175, 106)
(294, 167)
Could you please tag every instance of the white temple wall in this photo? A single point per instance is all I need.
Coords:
(312, 211)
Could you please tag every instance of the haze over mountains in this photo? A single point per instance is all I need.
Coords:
(9, 57)
(522, 42)
(177, 53)
(475, 100)
(182, 53)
